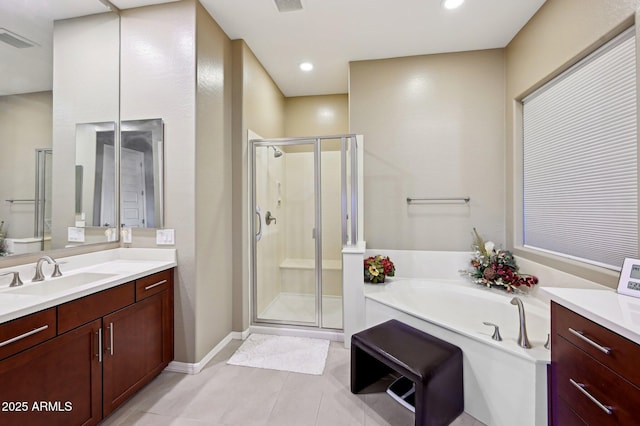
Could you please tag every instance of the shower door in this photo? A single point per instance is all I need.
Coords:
(287, 231)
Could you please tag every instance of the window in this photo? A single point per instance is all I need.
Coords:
(580, 159)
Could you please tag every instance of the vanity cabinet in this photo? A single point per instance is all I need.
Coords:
(137, 345)
(595, 376)
(58, 382)
(22, 333)
(107, 346)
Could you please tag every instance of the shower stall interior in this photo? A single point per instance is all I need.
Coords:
(304, 204)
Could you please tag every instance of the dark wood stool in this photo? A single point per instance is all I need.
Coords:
(433, 365)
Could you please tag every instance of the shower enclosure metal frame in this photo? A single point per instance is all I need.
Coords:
(349, 211)
(41, 198)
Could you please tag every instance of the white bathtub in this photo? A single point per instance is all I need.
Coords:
(504, 384)
(25, 245)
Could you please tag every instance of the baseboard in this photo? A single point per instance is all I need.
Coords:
(195, 368)
(240, 335)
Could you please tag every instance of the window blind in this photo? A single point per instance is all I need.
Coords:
(580, 159)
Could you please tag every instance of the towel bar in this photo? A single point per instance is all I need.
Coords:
(453, 200)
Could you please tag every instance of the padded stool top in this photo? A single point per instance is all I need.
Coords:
(416, 351)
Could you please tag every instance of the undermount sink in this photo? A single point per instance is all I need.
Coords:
(56, 285)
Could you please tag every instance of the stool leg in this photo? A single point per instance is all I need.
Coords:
(365, 370)
(422, 419)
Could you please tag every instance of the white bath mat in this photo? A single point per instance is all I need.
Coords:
(285, 353)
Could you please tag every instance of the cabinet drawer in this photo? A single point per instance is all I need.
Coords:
(586, 334)
(77, 312)
(582, 380)
(148, 286)
(566, 416)
(22, 333)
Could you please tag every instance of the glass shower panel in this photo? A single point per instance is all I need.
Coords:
(42, 217)
(284, 249)
(331, 233)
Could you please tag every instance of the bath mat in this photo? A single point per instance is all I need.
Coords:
(285, 353)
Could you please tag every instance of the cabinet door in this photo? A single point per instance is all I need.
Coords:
(58, 382)
(134, 347)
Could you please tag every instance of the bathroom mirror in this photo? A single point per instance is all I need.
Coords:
(141, 173)
(39, 110)
(95, 177)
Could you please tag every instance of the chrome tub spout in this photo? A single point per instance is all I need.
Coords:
(523, 340)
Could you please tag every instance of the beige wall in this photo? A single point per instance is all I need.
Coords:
(213, 184)
(162, 86)
(25, 124)
(316, 115)
(82, 93)
(557, 36)
(190, 89)
(258, 105)
(433, 126)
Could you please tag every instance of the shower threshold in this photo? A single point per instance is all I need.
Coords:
(301, 308)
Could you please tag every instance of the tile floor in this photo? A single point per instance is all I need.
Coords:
(242, 396)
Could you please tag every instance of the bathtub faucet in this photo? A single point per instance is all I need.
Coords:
(523, 340)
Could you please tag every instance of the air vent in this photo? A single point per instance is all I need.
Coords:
(14, 39)
(288, 5)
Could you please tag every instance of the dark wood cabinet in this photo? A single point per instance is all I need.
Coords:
(595, 377)
(135, 342)
(107, 347)
(77, 312)
(27, 331)
(58, 382)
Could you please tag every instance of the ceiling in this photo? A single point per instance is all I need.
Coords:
(331, 33)
(328, 33)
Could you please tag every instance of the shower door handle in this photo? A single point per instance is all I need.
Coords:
(259, 233)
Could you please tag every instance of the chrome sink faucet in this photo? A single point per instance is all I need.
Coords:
(523, 340)
(16, 281)
(39, 276)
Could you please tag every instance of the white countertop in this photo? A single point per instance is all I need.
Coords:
(119, 266)
(617, 312)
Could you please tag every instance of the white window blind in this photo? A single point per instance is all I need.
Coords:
(580, 159)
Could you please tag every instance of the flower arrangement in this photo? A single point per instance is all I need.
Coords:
(496, 267)
(377, 268)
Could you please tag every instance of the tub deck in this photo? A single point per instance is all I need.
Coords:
(504, 384)
(461, 307)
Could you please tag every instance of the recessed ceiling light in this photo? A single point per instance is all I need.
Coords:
(451, 4)
(306, 66)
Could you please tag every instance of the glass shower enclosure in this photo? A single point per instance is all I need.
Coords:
(303, 196)
(42, 198)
